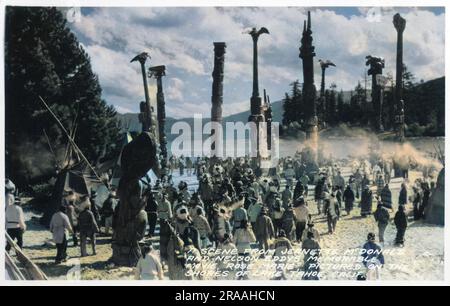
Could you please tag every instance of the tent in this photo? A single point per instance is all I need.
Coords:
(68, 179)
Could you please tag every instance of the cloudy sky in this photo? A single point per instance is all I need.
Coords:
(182, 39)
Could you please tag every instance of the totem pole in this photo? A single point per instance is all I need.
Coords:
(324, 65)
(217, 90)
(268, 115)
(309, 89)
(130, 218)
(376, 65)
(256, 110)
(145, 117)
(399, 24)
(158, 72)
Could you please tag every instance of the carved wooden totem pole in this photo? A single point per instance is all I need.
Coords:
(256, 110)
(158, 72)
(376, 65)
(399, 24)
(309, 89)
(217, 93)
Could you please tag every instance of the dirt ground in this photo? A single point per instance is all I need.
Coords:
(422, 257)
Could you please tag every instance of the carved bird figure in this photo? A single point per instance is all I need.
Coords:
(326, 63)
(142, 57)
(255, 33)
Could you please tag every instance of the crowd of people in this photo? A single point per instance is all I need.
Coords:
(235, 207)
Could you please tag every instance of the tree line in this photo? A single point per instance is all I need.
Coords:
(44, 58)
(424, 107)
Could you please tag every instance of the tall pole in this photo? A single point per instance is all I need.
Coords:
(255, 92)
(217, 90)
(256, 115)
(322, 84)
(269, 118)
(309, 89)
(158, 72)
(323, 66)
(146, 109)
(376, 65)
(399, 24)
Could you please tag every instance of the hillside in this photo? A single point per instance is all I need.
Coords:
(131, 122)
(435, 91)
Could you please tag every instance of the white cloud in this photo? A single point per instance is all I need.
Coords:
(182, 39)
(175, 89)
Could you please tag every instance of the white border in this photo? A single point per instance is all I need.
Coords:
(200, 3)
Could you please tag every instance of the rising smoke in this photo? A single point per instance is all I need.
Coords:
(33, 160)
(344, 142)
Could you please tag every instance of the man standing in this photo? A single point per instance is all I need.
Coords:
(107, 211)
(366, 202)
(253, 211)
(288, 223)
(203, 227)
(311, 251)
(401, 223)
(311, 229)
(72, 214)
(287, 197)
(319, 193)
(15, 223)
(349, 199)
(88, 229)
(264, 230)
(149, 267)
(60, 226)
(380, 183)
(239, 215)
(338, 180)
(282, 246)
(403, 195)
(358, 180)
(331, 209)
(382, 217)
(386, 197)
(181, 164)
(373, 258)
(364, 182)
(164, 214)
(152, 213)
(302, 215)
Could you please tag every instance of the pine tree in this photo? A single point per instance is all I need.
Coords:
(297, 102)
(44, 58)
(360, 109)
(331, 113)
(288, 110)
(340, 107)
